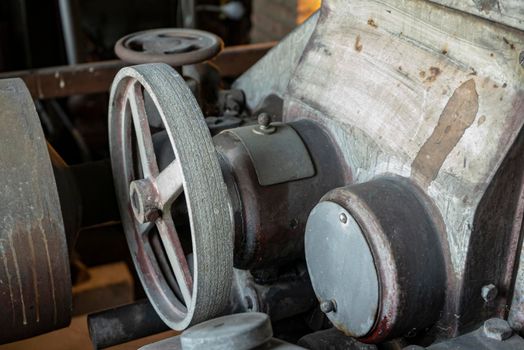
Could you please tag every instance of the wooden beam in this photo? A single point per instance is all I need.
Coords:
(96, 77)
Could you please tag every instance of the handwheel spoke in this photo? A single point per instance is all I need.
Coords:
(169, 184)
(176, 256)
(143, 133)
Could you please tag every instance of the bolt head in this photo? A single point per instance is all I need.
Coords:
(264, 119)
(489, 292)
(343, 218)
(327, 306)
(497, 329)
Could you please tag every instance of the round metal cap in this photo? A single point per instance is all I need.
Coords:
(342, 268)
(235, 332)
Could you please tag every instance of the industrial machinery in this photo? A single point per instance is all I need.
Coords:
(364, 179)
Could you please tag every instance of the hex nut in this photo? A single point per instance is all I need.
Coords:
(497, 329)
(143, 200)
(489, 292)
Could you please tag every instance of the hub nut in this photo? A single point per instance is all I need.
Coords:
(143, 196)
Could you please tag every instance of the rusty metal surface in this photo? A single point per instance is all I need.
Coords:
(87, 78)
(35, 285)
(270, 220)
(286, 295)
(402, 236)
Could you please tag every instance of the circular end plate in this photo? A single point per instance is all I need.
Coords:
(239, 331)
(342, 268)
(173, 46)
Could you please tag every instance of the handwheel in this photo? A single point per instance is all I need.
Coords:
(173, 46)
(146, 192)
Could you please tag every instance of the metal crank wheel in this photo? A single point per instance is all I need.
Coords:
(173, 46)
(185, 285)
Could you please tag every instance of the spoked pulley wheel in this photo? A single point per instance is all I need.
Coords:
(146, 193)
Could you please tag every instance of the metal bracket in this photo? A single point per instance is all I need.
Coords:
(278, 157)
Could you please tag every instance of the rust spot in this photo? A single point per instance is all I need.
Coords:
(445, 49)
(372, 23)
(481, 121)
(457, 116)
(434, 72)
(495, 86)
(358, 44)
(422, 74)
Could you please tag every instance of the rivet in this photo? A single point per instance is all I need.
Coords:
(328, 306)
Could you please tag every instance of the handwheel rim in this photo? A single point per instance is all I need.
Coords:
(206, 292)
(130, 47)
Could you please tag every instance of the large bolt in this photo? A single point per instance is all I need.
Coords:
(264, 125)
(328, 306)
(143, 200)
(497, 329)
(263, 120)
(489, 293)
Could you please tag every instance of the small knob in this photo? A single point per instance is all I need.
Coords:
(263, 120)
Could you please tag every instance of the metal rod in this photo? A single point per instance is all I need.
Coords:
(124, 323)
(66, 17)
